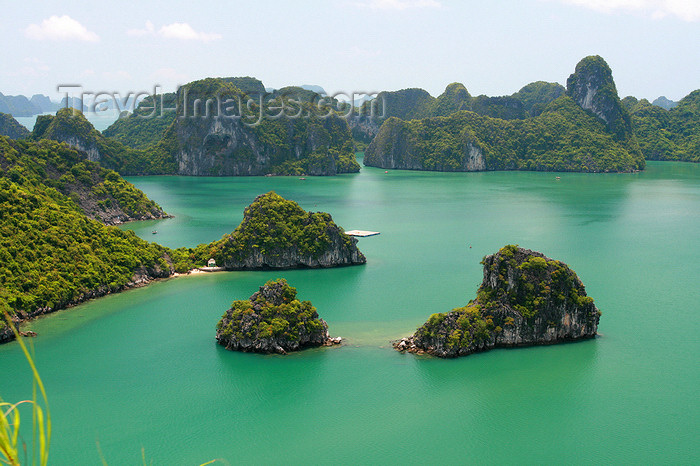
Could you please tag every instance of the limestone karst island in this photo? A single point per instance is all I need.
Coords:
(359, 232)
(525, 299)
(273, 320)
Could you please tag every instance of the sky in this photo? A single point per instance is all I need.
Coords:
(493, 47)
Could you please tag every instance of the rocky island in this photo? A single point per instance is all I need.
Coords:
(208, 128)
(585, 130)
(277, 233)
(525, 299)
(273, 320)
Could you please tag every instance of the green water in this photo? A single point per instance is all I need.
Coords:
(141, 369)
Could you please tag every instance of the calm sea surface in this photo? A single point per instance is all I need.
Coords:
(141, 370)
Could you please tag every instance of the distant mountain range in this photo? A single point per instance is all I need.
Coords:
(21, 106)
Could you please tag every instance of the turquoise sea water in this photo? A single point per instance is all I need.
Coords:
(142, 370)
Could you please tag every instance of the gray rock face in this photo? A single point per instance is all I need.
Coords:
(89, 148)
(337, 254)
(223, 146)
(593, 88)
(363, 128)
(525, 299)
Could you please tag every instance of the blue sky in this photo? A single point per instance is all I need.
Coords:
(493, 47)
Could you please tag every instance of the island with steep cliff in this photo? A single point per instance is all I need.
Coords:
(211, 127)
(587, 129)
(273, 320)
(277, 233)
(525, 299)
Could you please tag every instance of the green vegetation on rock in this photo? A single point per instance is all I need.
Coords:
(593, 88)
(54, 256)
(273, 320)
(668, 134)
(525, 299)
(12, 128)
(101, 194)
(563, 138)
(144, 127)
(585, 131)
(536, 96)
(278, 233)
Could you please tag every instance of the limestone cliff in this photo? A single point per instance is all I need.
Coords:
(237, 139)
(273, 320)
(587, 130)
(525, 299)
(278, 234)
(593, 88)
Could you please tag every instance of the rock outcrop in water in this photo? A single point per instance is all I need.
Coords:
(278, 234)
(273, 320)
(525, 299)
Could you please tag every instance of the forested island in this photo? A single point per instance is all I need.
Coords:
(672, 134)
(525, 299)
(278, 234)
(584, 129)
(208, 129)
(273, 320)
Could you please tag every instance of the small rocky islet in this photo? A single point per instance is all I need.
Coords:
(276, 233)
(273, 320)
(525, 299)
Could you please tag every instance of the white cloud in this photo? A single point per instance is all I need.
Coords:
(687, 10)
(398, 4)
(60, 28)
(181, 31)
(185, 32)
